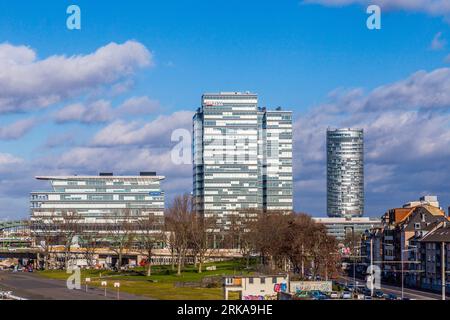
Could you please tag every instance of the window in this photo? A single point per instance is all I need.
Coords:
(250, 280)
(263, 280)
(417, 226)
(274, 279)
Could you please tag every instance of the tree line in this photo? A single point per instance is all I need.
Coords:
(274, 241)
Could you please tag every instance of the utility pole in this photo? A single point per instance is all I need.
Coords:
(444, 278)
(371, 266)
(354, 257)
(401, 256)
(303, 262)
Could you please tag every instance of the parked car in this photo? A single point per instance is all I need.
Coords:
(346, 295)
(391, 296)
(367, 297)
(367, 292)
(334, 295)
(317, 295)
(378, 294)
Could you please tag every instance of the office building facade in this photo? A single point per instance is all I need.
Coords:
(345, 172)
(242, 157)
(340, 228)
(96, 203)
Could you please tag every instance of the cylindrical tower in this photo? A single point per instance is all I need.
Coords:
(345, 172)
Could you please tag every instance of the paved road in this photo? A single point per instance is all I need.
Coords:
(408, 293)
(34, 287)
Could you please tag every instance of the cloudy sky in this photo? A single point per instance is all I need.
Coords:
(107, 97)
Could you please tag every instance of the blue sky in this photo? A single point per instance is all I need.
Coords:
(292, 54)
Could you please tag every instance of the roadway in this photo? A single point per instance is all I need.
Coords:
(31, 286)
(407, 292)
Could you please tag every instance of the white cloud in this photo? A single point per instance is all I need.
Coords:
(7, 159)
(9, 163)
(432, 7)
(28, 83)
(156, 132)
(101, 111)
(138, 106)
(95, 112)
(438, 42)
(447, 59)
(17, 129)
(428, 90)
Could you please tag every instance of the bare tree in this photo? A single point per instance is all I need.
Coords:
(269, 237)
(198, 237)
(44, 234)
(149, 235)
(322, 250)
(295, 241)
(68, 225)
(90, 241)
(178, 223)
(121, 233)
(241, 234)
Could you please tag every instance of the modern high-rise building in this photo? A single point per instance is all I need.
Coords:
(345, 172)
(242, 157)
(97, 202)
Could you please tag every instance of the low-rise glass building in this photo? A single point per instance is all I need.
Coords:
(96, 202)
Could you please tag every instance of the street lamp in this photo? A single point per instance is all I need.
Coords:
(354, 247)
(87, 280)
(117, 285)
(104, 284)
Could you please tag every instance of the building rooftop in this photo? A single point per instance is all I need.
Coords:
(231, 93)
(441, 234)
(102, 177)
(344, 129)
(347, 220)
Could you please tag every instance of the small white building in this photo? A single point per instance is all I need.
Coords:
(265, 287)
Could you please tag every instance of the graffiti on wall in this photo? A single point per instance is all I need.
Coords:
(280, 287)
(301, 286)
(261, 297)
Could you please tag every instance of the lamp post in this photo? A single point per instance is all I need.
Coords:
(104, 284)
(353, 254)
(443, 274)
(117, 285)
(371, 264)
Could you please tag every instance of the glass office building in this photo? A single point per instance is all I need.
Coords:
(342, 227)
(345, 173)
(97, 201)
(242, 157)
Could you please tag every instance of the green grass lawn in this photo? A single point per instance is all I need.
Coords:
(162, 283)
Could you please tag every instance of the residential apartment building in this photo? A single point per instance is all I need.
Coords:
(434, 250)
(345, 172)
(242, 157)
(403, 246)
